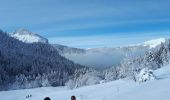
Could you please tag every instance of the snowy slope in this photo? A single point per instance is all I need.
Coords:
(27, 36)
(154, 43)
(117, 90)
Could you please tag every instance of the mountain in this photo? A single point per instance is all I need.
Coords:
(31, 65)
(154, 43)
(67, 50)
(137, 68)
(25, 65)
(95, 57)
(106, 57)
(26, 36)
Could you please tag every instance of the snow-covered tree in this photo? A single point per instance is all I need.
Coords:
(31, 65)
(90, 77)
(145, 74)
(112, 73)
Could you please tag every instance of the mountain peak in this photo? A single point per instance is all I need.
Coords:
(27, 36)
(155, 42)
(22, 31)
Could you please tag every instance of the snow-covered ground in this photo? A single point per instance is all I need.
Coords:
(117, 90)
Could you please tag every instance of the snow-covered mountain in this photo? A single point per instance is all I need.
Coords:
(145, 77)
(27, 36)
(106, 57)
(154, 43)
(116, 90)
(95, 57)
(24, 65)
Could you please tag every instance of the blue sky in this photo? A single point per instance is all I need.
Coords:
(89, 23)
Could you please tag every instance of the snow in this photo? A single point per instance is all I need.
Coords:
(27, 36)
(117, 90)
(154, 43)
(145, 75)
(151, 43)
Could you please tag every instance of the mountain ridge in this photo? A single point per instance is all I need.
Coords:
(24, 65)
(93, 57)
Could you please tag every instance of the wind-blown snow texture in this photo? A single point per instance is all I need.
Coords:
(117, 90)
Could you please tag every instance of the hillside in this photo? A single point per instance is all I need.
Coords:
(117, 90)
(24, 65)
